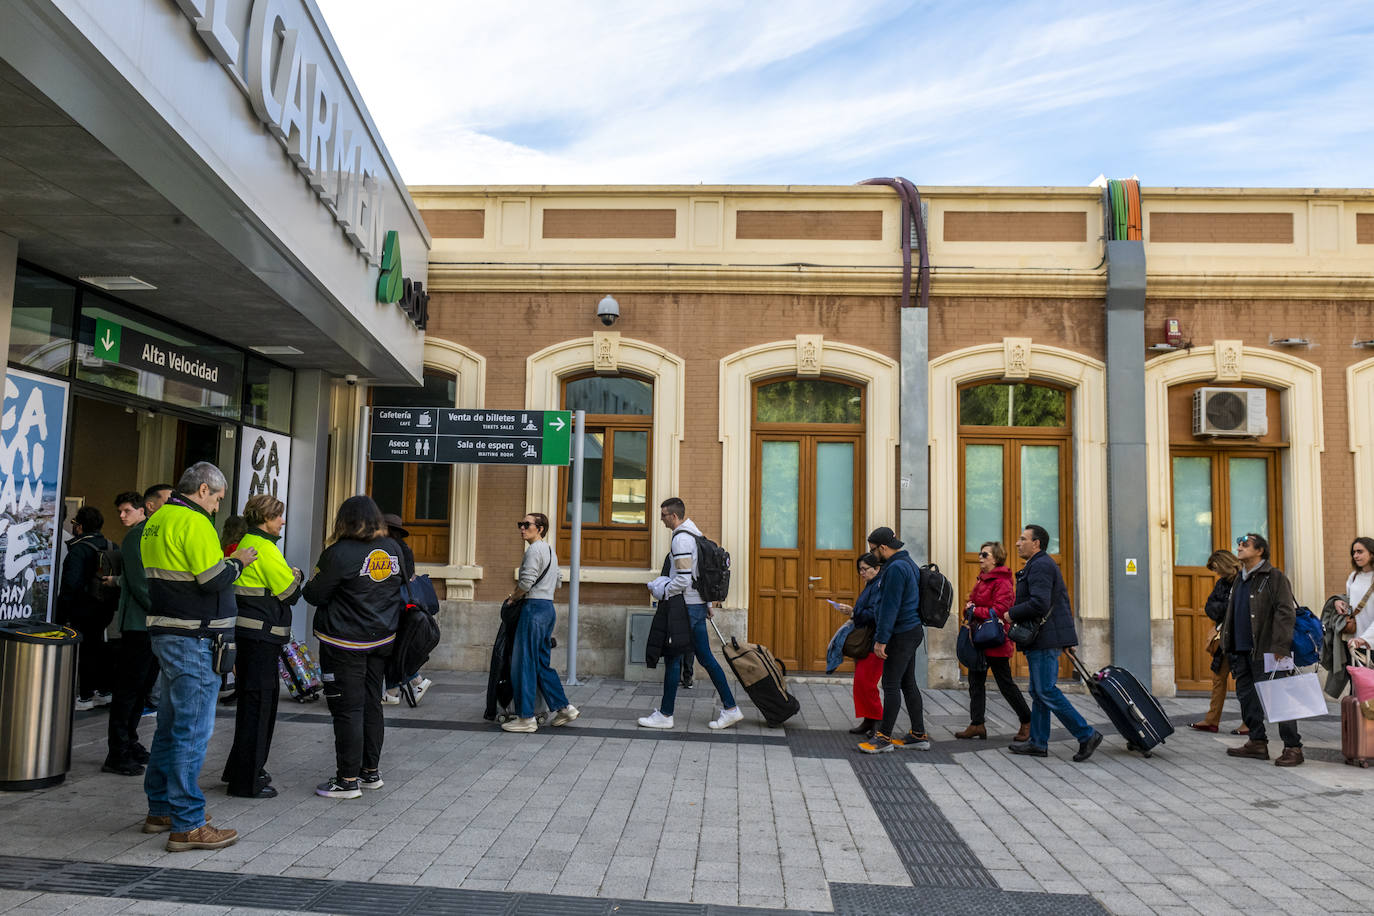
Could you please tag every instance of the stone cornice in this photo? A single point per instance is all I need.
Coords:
(878, 281)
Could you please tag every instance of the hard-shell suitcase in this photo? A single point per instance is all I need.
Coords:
(763, 677)
(1357, 734)
(299, 672)
(1134, 711)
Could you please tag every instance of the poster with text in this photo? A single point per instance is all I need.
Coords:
(31, 454)
(264, 464)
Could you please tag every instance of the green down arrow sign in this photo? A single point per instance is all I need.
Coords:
(107, 335)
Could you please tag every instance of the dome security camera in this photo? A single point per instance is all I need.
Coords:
(351, 380)
(608, 310)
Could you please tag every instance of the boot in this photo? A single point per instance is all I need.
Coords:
(974, 730)
(1022, 733)
(1255, 750)
(865, 727)
(1291, 757)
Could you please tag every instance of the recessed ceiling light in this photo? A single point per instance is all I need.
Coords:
(125, 282)
(278, 350)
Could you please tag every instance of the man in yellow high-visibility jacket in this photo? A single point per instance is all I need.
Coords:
(191, 591)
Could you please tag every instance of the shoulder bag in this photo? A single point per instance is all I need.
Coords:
(859, 643)
(988, 634)
(1350, 617)
(510, 610)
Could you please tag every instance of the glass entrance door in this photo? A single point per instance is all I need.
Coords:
(1218, 496)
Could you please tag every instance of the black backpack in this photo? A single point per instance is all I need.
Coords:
(937, 596)
(712, 581)
(108, 562)
(417, 637)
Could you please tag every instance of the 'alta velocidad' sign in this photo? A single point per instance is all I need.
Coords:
(116, 343)
(442, 435)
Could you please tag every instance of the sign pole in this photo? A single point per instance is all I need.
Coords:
(361, 453)
(575, 570)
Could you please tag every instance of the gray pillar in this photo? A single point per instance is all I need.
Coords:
(1128, 515)
(306, 510)
(914, 486)
(9, 263)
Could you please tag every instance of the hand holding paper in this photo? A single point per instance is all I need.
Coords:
(1272, 664)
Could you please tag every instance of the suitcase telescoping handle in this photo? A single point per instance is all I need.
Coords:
(719, 634)
(1078, 668)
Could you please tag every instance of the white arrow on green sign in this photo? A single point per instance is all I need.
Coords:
(107, 335)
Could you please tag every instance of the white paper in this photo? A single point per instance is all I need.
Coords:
(1297, 697)
(1271, 664)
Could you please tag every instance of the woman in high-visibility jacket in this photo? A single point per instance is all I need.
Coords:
(265, 592)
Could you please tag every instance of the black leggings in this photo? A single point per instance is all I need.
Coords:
(899, 680)
(978, 691)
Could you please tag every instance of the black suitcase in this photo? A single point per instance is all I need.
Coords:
(762, 676)
(1134, 711)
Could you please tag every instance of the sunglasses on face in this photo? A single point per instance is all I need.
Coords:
(1242, 542)
(523, 525)
(984, 555)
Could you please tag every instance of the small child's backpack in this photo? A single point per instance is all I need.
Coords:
(1307, 638)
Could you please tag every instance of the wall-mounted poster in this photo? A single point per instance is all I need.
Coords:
(264, 464)
(31, 455)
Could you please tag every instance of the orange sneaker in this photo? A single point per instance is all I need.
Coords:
(880, 744)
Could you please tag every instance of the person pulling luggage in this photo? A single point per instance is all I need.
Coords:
(681, 586)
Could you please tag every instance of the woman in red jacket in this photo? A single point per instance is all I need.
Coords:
(993, 593)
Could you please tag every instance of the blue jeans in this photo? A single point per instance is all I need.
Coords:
(672, 670)
(1046, 696)
(185, 721)
(533, 669)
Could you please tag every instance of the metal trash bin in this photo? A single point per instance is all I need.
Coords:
(37, 697)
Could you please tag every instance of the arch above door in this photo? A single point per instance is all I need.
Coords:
(806, 355)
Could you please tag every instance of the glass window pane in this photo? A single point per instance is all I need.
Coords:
(438, 390)
(1040, 490)
(804, 400)
(1249, 497)
(778, 490)
(611, 395)
(267, 396)
(1021, 404)
(983, 495)
(834, 496)
(41, 328)
(1192, 511)
(388, 487)
(593, 454)
(431, 492)
(629, 477)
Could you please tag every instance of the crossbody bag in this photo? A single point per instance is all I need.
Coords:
(510, 610)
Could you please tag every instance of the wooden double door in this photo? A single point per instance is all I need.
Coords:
(807, 535)
(1219, 494)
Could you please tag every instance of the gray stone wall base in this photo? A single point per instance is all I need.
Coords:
(1162, 658)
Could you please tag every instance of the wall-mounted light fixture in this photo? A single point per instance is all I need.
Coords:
(1358, 344)
(1289, 341)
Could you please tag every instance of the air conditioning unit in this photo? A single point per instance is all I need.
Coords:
(1229, 412)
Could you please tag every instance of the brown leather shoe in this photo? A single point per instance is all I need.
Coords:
(1022, 734)
(203, 837)
(1291, 757)
(161, 823)
(1255, 750)
(973, 731)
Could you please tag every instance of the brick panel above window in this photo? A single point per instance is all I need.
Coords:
(1016, 226)
(810, 225)
(1222, 228)
(569, 223)
(455, 224)
(1364, 228)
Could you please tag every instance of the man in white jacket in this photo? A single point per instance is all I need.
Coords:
(680, 585)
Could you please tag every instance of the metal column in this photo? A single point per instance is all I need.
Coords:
(914, 486)
(1128, 516)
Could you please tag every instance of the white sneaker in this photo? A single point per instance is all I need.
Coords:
(420, 689)
(83, 705)
(101, 699)
(727, 718)
(565, 715)
(656, 719)
(390, 698)
(520, 725)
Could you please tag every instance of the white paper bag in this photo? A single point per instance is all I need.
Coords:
(1297, 697)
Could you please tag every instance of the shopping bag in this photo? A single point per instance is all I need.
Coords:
(1297, 697)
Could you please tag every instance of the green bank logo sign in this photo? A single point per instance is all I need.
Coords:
(393, 287)
(117, 344)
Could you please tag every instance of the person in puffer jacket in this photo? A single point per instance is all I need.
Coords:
(356, 589)
(993, 595)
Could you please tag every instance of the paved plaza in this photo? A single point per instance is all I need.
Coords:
(603, 817)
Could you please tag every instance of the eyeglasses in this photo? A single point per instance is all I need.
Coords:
(1242, 542)
(867, 569)
(984, 555)
(523, 525)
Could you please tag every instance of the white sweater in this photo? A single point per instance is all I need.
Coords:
(1356, 587)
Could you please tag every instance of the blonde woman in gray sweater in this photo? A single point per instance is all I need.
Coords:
(531, 667)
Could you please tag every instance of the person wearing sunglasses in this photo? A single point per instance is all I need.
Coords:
(531, 666)
(1259, 621)
(992, 595)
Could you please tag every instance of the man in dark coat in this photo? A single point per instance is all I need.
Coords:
(1042, 596)
(1259, 621)
(87, 600)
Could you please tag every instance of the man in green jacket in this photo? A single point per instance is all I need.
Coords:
(136, 667)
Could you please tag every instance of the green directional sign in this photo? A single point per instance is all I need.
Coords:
(459, 435)
(107, 337)
(557, 436)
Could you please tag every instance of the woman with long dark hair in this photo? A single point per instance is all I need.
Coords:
(356, 590)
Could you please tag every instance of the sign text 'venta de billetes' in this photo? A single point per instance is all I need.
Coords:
(303, 108)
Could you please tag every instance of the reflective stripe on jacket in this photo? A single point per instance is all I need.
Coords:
(190, 582)
(265, 591)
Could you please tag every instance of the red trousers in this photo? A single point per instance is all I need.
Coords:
(868, 702)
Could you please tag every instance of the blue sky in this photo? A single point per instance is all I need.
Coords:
(835, 91)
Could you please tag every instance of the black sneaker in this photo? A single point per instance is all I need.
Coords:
(339, 788)
(139, 754)
(122, 768)
(1086, 748)
(371, 780)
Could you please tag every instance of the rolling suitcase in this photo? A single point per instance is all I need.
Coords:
(762, 676)
(1357, 734)
(1134, 711)
(299, 672)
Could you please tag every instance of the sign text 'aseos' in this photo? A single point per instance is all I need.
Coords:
(441, 435)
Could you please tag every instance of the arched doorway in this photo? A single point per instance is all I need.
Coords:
(807, 468)
(1015, 469)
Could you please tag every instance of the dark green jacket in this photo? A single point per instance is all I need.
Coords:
(133, 585)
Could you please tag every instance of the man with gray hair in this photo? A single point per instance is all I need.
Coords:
(191, 627)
